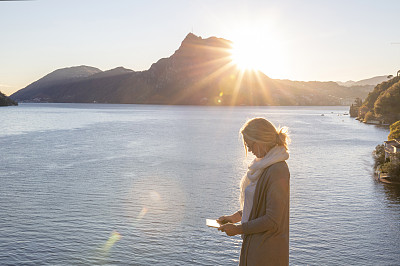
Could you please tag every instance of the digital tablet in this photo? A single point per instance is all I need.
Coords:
(212, 223)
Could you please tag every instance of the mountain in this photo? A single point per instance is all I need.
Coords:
(6, 101)
(40, 90)
(342, 95)
(64, 75)
(199, 72)
(50, 87)
(112, 72)
(371, 81)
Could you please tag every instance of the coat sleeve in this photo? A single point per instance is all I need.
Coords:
(277, 198)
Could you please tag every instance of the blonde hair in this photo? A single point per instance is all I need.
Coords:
(262, 131)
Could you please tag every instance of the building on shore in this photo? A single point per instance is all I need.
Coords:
(392, 147)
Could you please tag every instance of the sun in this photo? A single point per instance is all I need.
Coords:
(258, 52)
(245, 56)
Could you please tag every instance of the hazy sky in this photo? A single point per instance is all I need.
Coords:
(298, 40)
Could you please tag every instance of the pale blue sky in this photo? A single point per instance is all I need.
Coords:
(307, 40)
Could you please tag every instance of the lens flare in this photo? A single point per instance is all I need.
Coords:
(114, 237)
(142, 213)
(101, 254)
(155, 196)
(149, 202)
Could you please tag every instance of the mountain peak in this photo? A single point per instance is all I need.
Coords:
(191, 36)
(113, 72)
(59, 76)
(371, 81)
(71, 73)
(196, 46)
(192, 39)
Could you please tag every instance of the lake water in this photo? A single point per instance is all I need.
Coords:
(91, 184)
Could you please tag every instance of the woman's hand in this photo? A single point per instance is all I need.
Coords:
(231, 229)
(234, 218)
(225, 219)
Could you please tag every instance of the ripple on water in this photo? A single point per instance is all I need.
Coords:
(126, 185)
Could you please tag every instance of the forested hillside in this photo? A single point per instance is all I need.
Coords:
(5, 101)
(383, 103)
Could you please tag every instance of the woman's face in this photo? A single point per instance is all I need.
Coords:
(258, 149)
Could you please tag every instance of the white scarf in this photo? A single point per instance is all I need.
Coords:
(257, 166)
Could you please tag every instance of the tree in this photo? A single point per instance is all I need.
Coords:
(362, 111)
(393, 168)
(379, 155)
(376, 92)
(394, 131)
(353, 111)
(369, 116)
(358, 102)
(388, 103)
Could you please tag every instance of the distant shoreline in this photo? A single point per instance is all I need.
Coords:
(158, 104)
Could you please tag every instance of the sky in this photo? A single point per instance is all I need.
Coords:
(304, 40)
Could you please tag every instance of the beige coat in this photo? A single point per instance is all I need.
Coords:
(266, 234)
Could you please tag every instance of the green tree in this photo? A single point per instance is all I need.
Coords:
(379, 155)
(363, 111)
(369, 116)
(353, 111)
(393, 169)
(373, 95)
(394, 131)
(354, 107)
(388, 103)
(357, 102)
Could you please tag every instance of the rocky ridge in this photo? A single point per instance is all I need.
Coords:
(200, 72)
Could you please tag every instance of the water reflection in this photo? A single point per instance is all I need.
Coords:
(392, 193)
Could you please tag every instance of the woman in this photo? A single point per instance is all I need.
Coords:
(264, 197)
